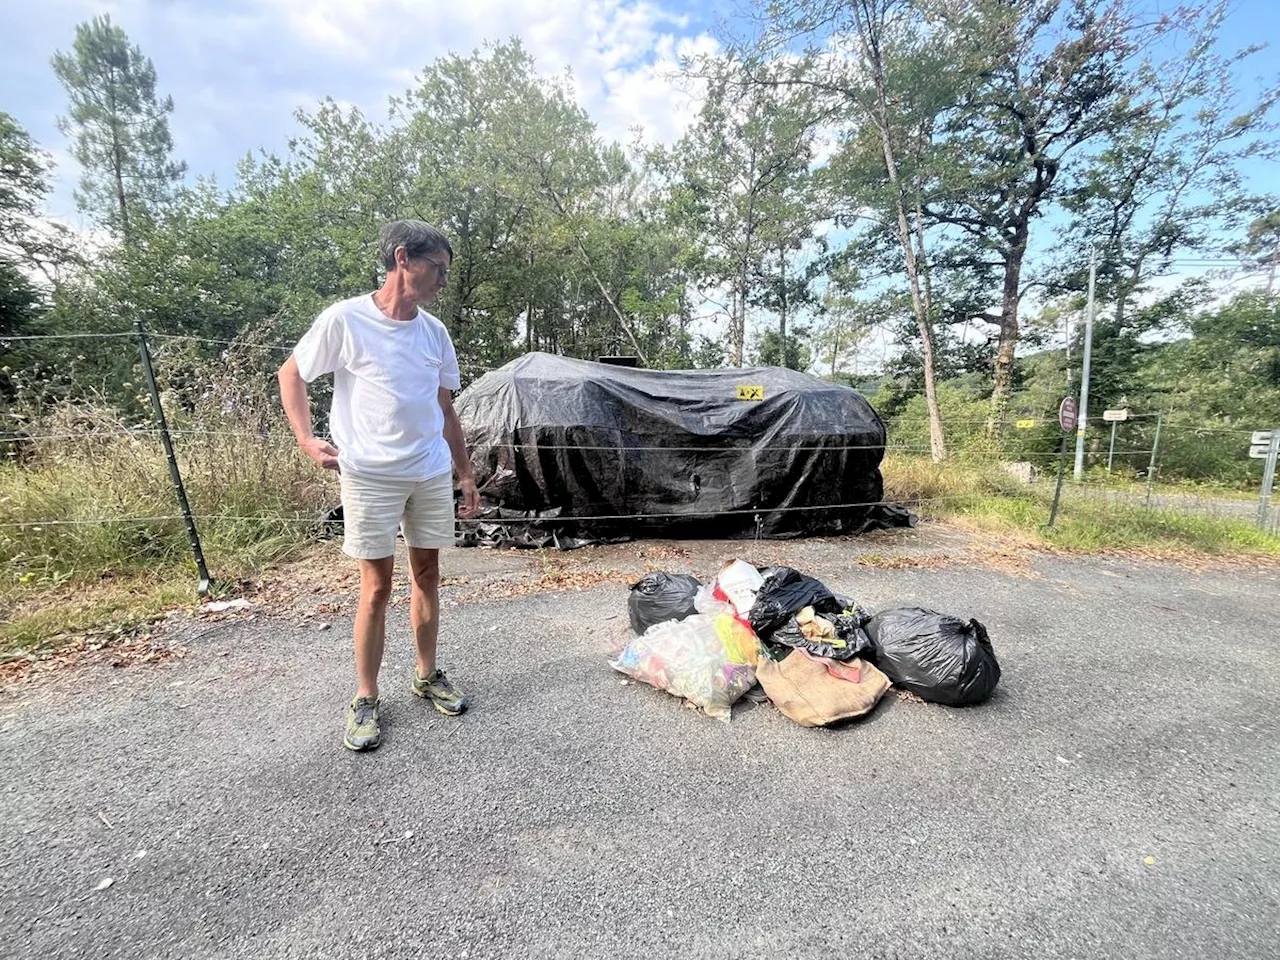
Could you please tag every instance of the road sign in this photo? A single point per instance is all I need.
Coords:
(1113, 416)
(1266, 446)
(1025, 424)
(1067, 413)
(746, 392)
(1260, 444)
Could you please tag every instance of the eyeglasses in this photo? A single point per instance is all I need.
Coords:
(442, 272)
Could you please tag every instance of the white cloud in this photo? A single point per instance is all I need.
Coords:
(238, 69)
(623, 55)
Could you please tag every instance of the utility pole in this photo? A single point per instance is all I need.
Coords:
(1084, 370)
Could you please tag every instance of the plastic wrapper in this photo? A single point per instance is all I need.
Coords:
(658, 597)
(593, 451)
(738, 584)
(709, 660)
(939, 658)
(706, 601)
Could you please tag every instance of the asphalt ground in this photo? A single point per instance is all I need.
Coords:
(1117, 797)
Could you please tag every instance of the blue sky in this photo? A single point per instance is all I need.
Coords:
(238, 69)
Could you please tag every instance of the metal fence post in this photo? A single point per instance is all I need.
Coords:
(1268, 478)
(1155, 448)
(206, 582)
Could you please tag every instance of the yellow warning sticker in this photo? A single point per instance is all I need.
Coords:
(750, 392)
(1026, 424)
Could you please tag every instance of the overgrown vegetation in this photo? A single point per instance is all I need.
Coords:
(981, 494)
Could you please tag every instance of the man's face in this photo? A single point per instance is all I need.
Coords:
(426, 275)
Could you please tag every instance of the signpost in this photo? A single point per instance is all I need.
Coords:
(1067, 413)
(1067, 416)
(1114, 417)
(1265, 445)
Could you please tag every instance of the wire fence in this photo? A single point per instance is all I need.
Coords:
(1120, 471)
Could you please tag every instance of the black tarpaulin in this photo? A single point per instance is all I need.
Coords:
(610, 452)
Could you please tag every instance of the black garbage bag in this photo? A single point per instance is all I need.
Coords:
(658, 597)
(937, 657)
(784, 593)
(851, 638)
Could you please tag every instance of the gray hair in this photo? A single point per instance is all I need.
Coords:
(416, 236)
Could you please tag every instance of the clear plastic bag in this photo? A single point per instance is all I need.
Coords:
(709, 660)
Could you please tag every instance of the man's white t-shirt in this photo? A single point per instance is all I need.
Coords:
(386, 419)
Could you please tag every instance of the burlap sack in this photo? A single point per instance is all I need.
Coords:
(807, 690)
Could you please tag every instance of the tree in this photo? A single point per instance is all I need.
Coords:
(773, 351)
(844, 325)
(119, 128)
(873, 21)
(1168, 180)
(741, 184)
(887, 78)
(1261, 248)
(1045, 78)
(27, 241)
(24, 247)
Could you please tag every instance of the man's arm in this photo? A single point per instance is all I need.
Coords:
(293, 394)
(461, 461)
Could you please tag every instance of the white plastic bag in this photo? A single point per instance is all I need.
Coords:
(708, 660)
(737, 584)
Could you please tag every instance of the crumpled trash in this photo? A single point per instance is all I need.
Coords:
(736, 585)
(838, 636)
(937, 657)
(709, 660)
(657, 597)
(783, 594)
(222, 606)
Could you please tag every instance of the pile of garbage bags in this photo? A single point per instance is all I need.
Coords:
(819, 656)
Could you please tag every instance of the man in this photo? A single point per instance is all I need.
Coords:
(394, 433)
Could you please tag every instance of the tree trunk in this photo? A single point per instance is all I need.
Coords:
(117, 162)
(1007, 344)
(740, 325)
(782, 316)
(922, 259)
(528, 321)
(613, 306)
(870, 41)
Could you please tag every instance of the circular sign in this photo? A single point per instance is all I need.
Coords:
(1067, 413)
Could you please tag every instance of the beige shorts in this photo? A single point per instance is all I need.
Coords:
(373, 509)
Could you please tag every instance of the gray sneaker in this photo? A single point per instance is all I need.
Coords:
(437, 688)
(362, 724)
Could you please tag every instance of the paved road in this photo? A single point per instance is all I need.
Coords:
(571, 816)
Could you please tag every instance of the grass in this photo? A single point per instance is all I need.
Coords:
(76, 559)
(980, 496)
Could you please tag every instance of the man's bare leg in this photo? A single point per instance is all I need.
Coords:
(371, 622)
(424, 605)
